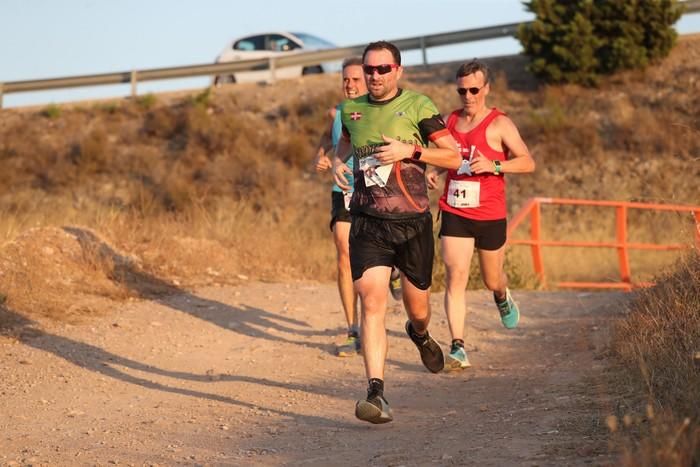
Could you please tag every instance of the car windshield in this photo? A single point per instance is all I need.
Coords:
(313, 42)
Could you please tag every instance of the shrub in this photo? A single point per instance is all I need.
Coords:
(146, 102)
(576, 42)
(51, 111)
(657, 343)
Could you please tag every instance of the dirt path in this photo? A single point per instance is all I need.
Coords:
(246, 376)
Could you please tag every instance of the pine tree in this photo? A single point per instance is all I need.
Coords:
(576, 41)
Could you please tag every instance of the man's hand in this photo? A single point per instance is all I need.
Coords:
(323, 162)
(339, 171)
(393, 151)
(432, 177)
(480, 164)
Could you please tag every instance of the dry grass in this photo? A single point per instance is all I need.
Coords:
(658, 343)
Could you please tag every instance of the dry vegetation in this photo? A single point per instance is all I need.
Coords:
(212, 187)
(658, 342)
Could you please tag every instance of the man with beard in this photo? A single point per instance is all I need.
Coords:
(388, 131)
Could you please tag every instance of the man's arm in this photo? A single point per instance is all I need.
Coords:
(342, 153)
(321, 160)
(519, 158)
(444, 155)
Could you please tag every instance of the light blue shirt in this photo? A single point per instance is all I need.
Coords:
(336, 132)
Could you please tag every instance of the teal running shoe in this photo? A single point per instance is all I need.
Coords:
(457, 359)
(508, 309)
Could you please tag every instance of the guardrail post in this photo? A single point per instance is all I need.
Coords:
(535, 235)
(273, 70)
(622, 254)
(134, 74)
(423, 50)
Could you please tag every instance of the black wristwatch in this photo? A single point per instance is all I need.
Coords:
(417, 152)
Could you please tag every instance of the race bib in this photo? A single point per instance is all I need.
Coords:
(463, 194)
(374, 172)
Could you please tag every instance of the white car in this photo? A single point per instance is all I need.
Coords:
(270, 45)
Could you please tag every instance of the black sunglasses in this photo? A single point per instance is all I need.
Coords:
(472, 91)
(381, 69)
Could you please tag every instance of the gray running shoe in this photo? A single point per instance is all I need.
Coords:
(430, 351)
(375, 409)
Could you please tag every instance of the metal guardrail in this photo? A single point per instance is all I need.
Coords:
(532, 211)
(305, 58)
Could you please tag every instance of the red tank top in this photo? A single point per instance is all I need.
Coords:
(491, 188)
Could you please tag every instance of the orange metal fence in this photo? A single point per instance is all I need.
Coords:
(532, 209)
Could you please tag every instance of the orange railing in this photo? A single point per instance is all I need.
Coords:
(532, 209)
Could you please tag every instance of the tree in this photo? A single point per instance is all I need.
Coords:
(576, 41)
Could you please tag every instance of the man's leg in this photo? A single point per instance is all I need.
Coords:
(491, 263)
(495, 279)
(457, 256)
(417, 303)
(346, 290)
(371, 288)
(348, 298)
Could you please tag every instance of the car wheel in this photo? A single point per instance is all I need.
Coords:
(312, 70)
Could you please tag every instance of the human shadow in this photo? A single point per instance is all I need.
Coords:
(247, 320)
(100, 361)
(243, 319)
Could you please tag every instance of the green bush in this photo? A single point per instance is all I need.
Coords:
(577, 41)
(51, 111)
(147, 101)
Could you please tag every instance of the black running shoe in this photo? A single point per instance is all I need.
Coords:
(430, 351)
(375, 409)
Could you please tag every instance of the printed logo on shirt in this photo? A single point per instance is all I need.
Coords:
(355, 115)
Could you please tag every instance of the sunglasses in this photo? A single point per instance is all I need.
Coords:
(381, 69)
(472, 91)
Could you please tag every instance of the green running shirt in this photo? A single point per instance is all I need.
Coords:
(381, 191)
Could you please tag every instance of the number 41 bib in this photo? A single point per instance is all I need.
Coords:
(463, 194)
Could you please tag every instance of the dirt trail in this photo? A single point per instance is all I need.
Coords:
(246, 376)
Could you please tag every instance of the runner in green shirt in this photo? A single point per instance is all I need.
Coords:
(388, 132)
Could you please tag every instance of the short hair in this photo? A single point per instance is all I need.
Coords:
(472, 67)
(383, 45)
(350, 61)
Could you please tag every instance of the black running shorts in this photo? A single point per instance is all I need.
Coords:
(406, 243)
(338, 211)
(487, 235)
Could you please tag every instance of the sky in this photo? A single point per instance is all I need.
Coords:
(51, 38)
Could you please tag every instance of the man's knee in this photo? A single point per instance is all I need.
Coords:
(493, 283)
(456, 273)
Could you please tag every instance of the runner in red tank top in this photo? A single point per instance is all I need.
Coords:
(473, 205)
